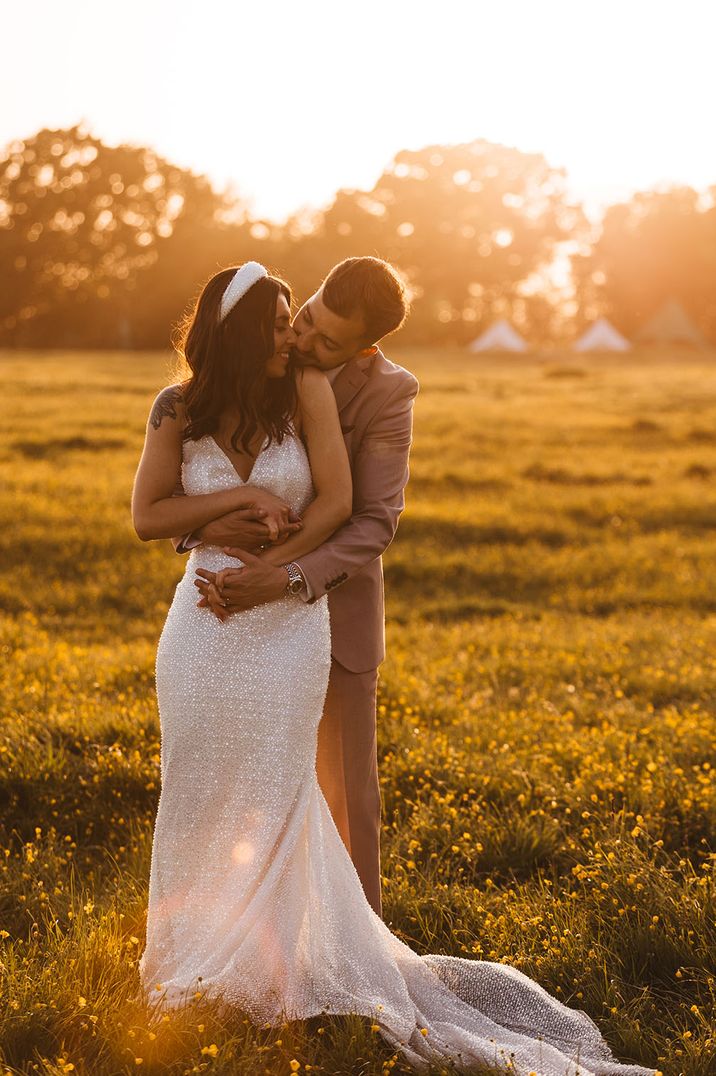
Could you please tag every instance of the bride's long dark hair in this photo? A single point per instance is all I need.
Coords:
(227, 361)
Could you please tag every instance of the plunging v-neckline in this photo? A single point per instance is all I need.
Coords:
(244, 481)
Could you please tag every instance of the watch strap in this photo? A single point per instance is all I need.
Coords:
(296, 581)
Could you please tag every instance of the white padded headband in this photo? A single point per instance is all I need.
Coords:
(244, 278)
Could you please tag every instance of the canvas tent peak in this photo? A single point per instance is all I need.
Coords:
(671, 325)
(499, 337)
(602, 336)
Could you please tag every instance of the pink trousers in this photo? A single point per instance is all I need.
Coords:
(347, 766)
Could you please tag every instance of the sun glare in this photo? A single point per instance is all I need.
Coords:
(574, 82)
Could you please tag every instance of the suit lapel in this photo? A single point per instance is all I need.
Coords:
(351, 380)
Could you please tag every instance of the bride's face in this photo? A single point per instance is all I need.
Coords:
(283, 339)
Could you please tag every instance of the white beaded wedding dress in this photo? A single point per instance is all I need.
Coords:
(252, 894)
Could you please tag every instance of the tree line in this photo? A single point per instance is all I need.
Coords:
(105, 246)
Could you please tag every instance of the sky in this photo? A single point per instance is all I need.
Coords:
(288, 102)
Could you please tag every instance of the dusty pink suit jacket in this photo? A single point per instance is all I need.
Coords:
(375, 403)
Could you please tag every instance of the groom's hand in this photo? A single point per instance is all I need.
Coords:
(244, 527)
(248, 528)
(234, 589)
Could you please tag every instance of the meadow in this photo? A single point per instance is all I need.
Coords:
(547, 709)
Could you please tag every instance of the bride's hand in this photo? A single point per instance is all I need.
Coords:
(276, 515)
(234, 589)
(212, 592)
(225, 576)
(211, 597)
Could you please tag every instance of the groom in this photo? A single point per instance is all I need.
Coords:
(338, 329)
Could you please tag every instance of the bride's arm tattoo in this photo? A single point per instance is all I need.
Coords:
(165, 405)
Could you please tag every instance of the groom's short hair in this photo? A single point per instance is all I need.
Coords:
(371, 289)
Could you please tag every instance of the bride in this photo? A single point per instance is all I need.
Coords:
(252, 895)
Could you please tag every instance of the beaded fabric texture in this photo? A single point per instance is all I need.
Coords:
(253, 897)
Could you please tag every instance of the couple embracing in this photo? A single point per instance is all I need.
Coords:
(282, 460)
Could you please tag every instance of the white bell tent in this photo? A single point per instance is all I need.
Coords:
(499, 337)
(671, 325)
(602, 336)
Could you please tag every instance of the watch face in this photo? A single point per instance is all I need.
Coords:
(295, 578)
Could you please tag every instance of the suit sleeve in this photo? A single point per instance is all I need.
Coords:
(380, 474)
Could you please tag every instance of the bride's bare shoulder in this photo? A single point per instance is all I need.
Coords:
(310, 375)
(312, 383)
(169, 404)
(314, 394)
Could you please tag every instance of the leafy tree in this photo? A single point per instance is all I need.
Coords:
(657, 246)
(470, 225)
(81, 224)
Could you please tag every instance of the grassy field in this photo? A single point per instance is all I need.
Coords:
(547, 714)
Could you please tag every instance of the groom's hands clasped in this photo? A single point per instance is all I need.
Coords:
(234, 589)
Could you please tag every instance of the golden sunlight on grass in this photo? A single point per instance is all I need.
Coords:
(547, 725)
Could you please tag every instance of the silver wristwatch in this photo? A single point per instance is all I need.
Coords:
(296, 582)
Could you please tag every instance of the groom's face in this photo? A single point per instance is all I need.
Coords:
(325, 339)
